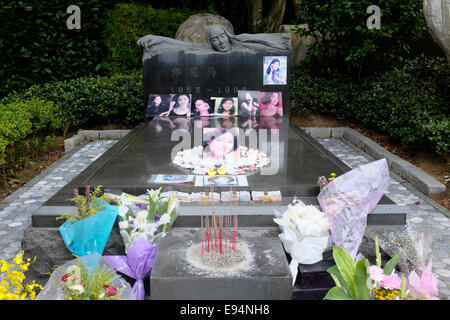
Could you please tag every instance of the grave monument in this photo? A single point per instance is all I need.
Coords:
(224, 66)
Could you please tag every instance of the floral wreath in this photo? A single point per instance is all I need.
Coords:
(249, 160)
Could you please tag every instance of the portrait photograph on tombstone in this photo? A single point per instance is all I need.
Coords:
(275, 70)
(226, 106)
(158, 105)
(203, 107)
(271, 104)
(179, 106)
(221, 144)
(248, 102)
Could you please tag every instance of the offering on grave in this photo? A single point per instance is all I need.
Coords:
(88, 228)
(348, 199)
(244, 195)
(266, 196)
(227, 196)
(137, 264)
(90, 277)
(305, 234)
(218, 232)
(146, 218)
(248, 160)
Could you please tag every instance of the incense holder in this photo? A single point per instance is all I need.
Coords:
(256, 270)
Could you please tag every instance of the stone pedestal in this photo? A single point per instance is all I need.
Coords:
(266, 276)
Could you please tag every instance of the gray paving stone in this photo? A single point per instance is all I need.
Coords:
(443, 272)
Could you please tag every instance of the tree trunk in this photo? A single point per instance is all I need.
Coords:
(269, 23)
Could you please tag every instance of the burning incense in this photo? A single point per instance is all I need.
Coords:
(201, 205)
(235, 232)
(213, 214)
(207, 233)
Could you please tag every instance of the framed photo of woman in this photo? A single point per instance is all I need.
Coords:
(220, 144)
(203, 107)
(179, 106)
(275, 70)
(226, 106)
(248, 102)
(271, 104)
(158, 104)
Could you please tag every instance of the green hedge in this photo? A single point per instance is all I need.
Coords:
(26, 129)
(90, 100)
(348, 45)
(409, 103)
(36, 45)
(128, 22)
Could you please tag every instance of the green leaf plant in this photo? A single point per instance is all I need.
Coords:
(352, 279)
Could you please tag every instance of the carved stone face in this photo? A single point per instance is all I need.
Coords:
(219, 40)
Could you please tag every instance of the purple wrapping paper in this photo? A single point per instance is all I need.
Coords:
(137, 264)
(348, 199)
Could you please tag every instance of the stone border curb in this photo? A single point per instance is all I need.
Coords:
(421, 180)
(82, 135)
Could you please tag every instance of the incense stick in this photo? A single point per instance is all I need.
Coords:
(201, 205)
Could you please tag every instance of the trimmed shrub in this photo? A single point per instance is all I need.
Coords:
(26, 128)
(409, 103)
(91, 100)
(128, 22)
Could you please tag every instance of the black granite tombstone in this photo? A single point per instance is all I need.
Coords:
(220, 69)
(211, 75)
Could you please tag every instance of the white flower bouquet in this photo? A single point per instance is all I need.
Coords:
(305, 234)
(149, 219)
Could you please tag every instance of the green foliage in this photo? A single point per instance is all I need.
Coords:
(345, 43)
(128, 22)
(91, 280)
(91, 100)
(26, 126)
(352, 278)
(87, 205)
(37, 46)
(409, 103)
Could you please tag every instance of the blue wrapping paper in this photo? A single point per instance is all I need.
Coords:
(90, 234)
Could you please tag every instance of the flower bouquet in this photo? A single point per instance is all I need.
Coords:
(357, 280)
(305, 234)
(88, 229)
(409, 239)
(90, 277)
(349, 198)
(142, 218)
(137, 264)
(12, 280)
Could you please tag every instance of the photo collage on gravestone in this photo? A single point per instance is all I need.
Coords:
(221, 115)
(247, 104)
(244, 103)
